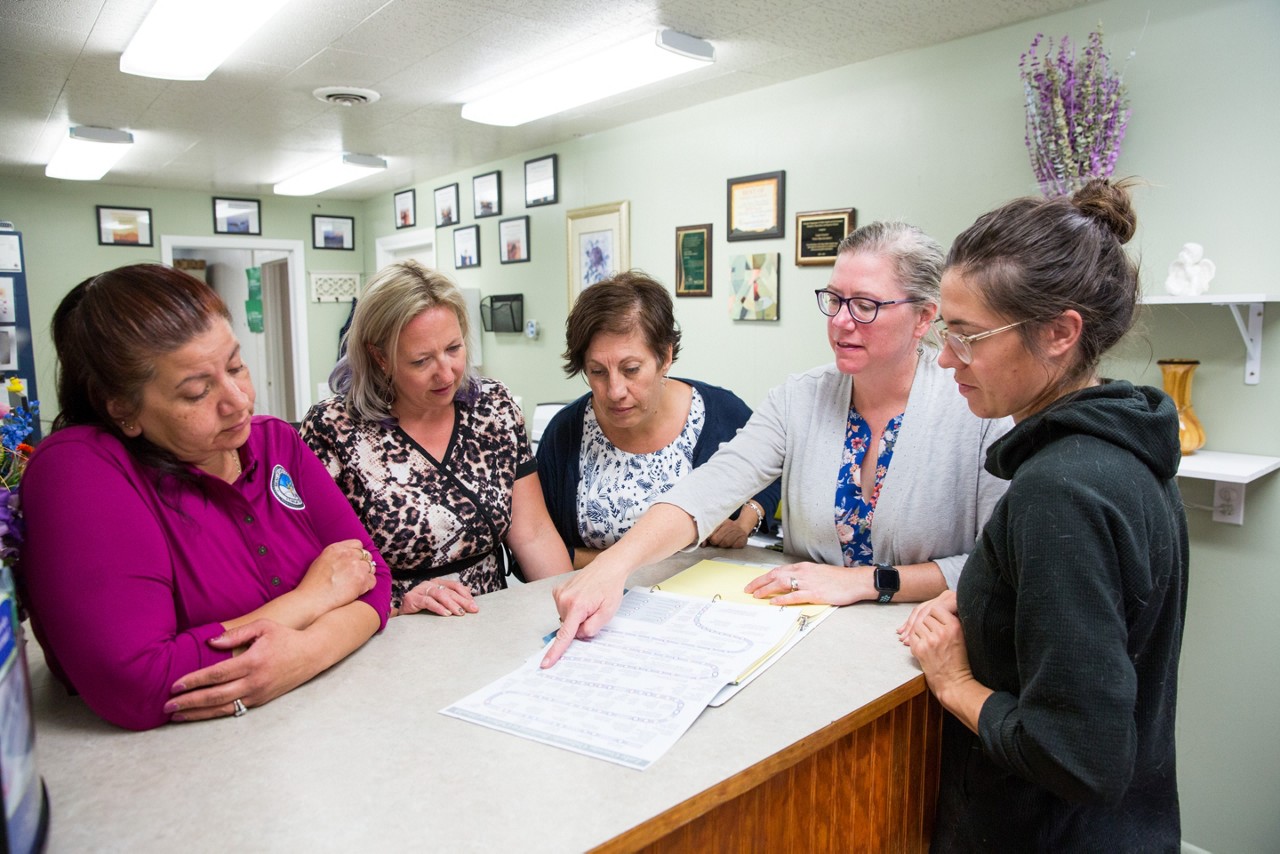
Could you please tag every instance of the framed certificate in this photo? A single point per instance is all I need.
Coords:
(818, 235)
(693, 260)
(756, 206)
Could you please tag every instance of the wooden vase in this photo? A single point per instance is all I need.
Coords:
(1178, 374)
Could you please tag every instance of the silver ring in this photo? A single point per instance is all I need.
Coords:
(239, 708)
(795, 584)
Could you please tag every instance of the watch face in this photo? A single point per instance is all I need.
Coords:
(886, 578)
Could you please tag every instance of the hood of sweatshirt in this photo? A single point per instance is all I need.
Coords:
(1139, 419)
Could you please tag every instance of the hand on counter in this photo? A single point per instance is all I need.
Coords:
(276, 659)
(816, 583)
(944, 602)
(444, 597)
(586, 603)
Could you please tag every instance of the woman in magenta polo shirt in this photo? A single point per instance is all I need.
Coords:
(184, 559)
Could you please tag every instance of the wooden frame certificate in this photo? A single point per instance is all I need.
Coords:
(756, 206)
(818, 235)
(693, 260)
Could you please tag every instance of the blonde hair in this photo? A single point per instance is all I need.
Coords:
(394, 296)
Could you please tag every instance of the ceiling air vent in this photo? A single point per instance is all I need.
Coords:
(346, 96)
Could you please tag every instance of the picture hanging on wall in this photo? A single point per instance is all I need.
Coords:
(541, 181)
(693, 260)
(818, 235)
(406, 207)
(755, 286)
(446, 206)
(487, 192)
(237, 216)
(466, 247)
(333, 232)
(599, 244)
(124, 226)
(513, 240)
(756, 206)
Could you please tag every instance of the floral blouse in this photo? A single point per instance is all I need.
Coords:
(615, 486)
(430, 517)
(855, 511)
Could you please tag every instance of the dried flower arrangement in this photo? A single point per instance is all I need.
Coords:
(1077, 112)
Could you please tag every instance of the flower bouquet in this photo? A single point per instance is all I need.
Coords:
(1077, 112)
(14, 430)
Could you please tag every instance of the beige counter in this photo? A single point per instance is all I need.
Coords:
(359, 758)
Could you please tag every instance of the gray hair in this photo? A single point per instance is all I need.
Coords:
(394, 296)
(916, 257)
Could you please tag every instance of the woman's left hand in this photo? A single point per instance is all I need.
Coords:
(937, 641)
(276, 659)
(800, 583)
(733, 533)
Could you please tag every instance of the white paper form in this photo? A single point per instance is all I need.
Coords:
(626, 695)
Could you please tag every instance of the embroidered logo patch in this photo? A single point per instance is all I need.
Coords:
(283, 489)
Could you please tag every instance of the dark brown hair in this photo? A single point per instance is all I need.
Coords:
(618, 306)
(108, 332)
(1035, 258)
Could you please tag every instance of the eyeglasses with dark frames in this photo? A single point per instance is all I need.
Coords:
(962, 345)
(861, 309)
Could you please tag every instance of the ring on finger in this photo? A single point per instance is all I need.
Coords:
(795, 584)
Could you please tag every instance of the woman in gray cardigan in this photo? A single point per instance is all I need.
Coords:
(883, 486)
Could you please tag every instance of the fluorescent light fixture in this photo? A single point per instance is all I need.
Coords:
(629, 65)
(332, 173)
(88, 153)
(188, 39)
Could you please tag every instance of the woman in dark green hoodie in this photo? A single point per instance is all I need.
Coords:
(1057, 657)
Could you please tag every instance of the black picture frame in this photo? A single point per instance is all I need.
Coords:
(237, 216)
(333, 232)
(542, 181)
(486, 195)
(446, 205)
(757, 206)
(513, 240)
(404, 207)
(466, 247)
(121, 226)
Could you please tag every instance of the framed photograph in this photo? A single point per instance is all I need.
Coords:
(124, 226)
(599, 244)
(693, 260)
(486, 193)
(8, 348)
(541, 181)
(237, 216)
(818, 235)
(756, 206)
(755, 286)
(333, 232)
(446, 206)
(466, 247)
(513, 240)
(405, 203)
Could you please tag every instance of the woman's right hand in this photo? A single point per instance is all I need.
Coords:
(944, 602)
(586, 603)
(446, 597)
(340, 575)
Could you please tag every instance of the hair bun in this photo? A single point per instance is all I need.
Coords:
(1108, 204)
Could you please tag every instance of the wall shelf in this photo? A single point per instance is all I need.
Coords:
(1230, 473)
(1249, 324)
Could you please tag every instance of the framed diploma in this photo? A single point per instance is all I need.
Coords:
(693, 260)
(818, 235)
(756, 206)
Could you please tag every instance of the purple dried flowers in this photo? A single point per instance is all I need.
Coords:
(1077, 112)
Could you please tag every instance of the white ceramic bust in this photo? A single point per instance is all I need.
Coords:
(1190, 273)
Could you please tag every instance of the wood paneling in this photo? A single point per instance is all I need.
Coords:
(868, 782)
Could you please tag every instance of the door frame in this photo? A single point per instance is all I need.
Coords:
(293, 250)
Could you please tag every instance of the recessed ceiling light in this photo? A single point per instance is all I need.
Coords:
(332, 173)
(188, 39)
(88, 153)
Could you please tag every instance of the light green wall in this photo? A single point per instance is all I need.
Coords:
(59, 231)
(935, 137)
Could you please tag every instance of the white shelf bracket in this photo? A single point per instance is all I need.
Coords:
(1251, 332)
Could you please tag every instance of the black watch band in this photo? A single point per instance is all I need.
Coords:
(887, 582)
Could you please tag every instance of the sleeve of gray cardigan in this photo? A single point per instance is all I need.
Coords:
(742, 467)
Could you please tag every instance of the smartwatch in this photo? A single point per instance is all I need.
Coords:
(886, 581)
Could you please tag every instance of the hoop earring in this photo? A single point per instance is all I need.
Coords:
(919, 349)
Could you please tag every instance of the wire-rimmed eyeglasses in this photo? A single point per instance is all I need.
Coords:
(861, 309)
(962, 345)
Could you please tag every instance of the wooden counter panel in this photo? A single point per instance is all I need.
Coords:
(867, 782)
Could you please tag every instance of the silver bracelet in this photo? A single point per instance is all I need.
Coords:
(759, 515)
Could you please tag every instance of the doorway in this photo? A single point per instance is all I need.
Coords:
(277, 357)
